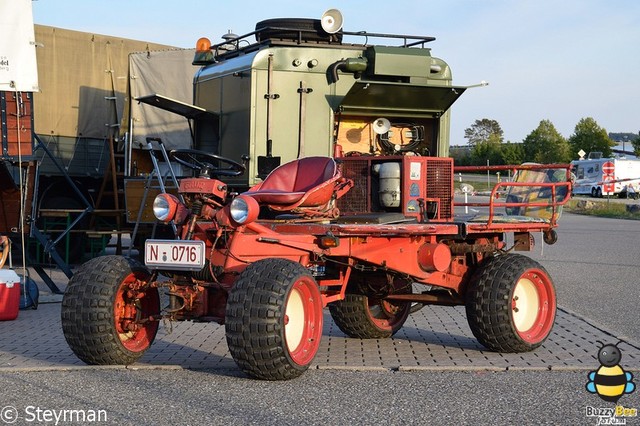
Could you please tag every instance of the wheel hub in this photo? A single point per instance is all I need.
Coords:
(525, 305)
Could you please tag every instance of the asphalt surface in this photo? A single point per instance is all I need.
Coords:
(595, 269)
(182, 397)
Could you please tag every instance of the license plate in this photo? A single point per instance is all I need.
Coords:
(174, 254)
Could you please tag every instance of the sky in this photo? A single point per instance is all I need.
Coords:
(543, 59)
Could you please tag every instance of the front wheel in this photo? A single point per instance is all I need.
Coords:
(511, 304)
(273, 321)
(106, 313)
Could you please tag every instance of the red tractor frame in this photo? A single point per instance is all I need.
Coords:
(321, 232)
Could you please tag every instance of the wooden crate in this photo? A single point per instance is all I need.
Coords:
(16, 116)
(10, 197)
(134, 195)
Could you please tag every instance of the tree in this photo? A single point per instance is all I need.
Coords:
(590, 137)
(461, 155)
(636, 146)
(512, 153)
(486, 150)
(546, 145)
(483, 131)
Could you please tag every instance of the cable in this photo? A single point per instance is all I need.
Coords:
(417, 137)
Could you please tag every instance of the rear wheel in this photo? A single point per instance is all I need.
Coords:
(106, 315)
(511, 304)
(365, 317)
(274, 319)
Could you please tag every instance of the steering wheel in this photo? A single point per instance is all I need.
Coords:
(205, 163)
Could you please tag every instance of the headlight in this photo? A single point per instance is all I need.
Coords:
(244, 210)
(164, 207)
(239, 210)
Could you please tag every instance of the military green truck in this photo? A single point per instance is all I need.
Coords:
(290, 89)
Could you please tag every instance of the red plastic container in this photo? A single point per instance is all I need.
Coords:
(9, 295)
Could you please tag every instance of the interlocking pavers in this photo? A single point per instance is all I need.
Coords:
(433, 338)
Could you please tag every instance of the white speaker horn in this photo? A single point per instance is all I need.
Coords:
(331, 21)
(381, 125)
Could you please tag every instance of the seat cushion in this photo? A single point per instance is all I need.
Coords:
(305, 182)
(275, 196)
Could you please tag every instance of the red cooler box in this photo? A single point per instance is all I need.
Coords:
(9, 295)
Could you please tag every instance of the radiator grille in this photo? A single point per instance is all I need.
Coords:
(356, 200)
(362, 198)
(440, 183)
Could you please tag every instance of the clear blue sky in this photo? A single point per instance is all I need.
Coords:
(544, 59)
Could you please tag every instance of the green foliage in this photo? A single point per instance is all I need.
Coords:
(546, 145)
(543, 145)
(512, 153)
(590, 137)
(461, 155)
(485, 130)
(622, 136)
(487, 150)
(601, 209)
(636, 146)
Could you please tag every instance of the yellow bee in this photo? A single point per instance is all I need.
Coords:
(610, 381)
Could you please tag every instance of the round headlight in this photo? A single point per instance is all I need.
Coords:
(239, 210)
(161, 208)
(244, 210)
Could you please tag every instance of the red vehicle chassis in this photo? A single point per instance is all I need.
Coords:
(276, 255)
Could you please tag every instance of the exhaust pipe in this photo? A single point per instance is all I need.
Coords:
(352, 65)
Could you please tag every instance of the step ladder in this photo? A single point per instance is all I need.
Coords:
(111, 177)
(167, 181)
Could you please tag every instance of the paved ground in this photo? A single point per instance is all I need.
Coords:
(434, 338)
(433, 371)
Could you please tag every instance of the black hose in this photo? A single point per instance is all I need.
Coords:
(333, 70)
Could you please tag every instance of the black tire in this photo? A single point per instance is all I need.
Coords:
(93, 312)
(362, 317)
(274, 319)
(511, 304)
(598, 192)
(311, 30)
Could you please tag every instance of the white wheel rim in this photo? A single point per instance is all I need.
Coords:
(526, 305)
(294, 320)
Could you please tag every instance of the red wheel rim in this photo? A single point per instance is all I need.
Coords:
(386, 315)
(303, 321)
(533, 305)
(134, 335)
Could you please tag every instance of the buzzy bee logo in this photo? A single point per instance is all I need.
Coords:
(610, 382)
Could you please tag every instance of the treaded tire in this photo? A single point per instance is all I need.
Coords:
(511, 304)
(89, 318)
(357, 318)
(311, 30)
(273, 320)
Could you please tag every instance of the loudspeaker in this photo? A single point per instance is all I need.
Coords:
(331, 21)
(381, 125)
